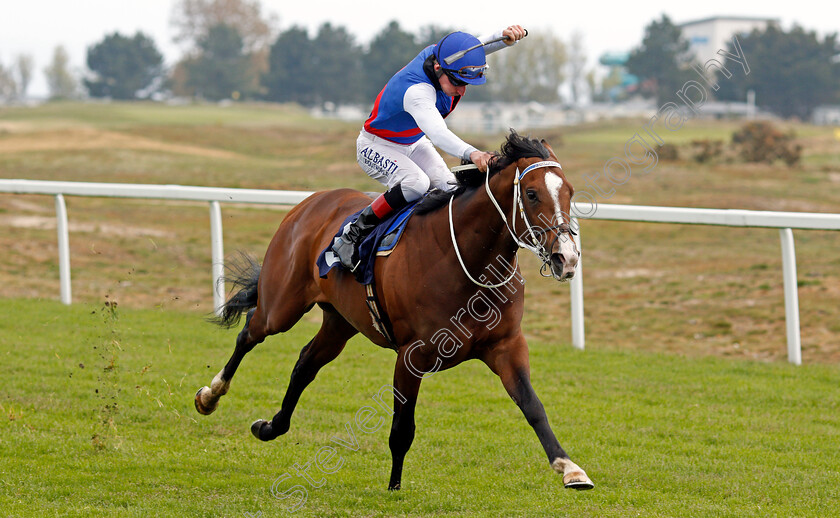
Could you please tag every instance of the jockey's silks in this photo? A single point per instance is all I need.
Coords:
(388, 119)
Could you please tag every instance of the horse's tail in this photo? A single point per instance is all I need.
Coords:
(244, 274)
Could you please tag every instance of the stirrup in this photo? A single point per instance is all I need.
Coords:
(342, 244)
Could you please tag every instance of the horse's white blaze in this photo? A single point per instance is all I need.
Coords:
(568, 249)
(554, 183)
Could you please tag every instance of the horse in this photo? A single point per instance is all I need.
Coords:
(440, 314)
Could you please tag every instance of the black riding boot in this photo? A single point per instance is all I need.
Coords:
(346, 247)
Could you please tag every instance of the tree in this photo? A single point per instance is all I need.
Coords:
(193, 19)
(662, 62)
(123, 66)
(25, 65)
(8, 85)
(389, 51)
(431, 34)
(337, 66)
(577, 65)
(61, 82)
(310, 71)
(790, 72)
(221, 71)
(529, 71)
(612, 87)
(291, 68)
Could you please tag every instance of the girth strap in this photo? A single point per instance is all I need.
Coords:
(381, 322)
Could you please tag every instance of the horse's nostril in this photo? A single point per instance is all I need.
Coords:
(561, 262)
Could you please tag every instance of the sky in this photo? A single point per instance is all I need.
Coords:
(36, 27)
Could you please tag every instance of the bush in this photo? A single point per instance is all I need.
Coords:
(763, 142)
(706, 150)
(791, 154)
(669, 153)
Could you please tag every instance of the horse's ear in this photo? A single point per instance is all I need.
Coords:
(548, 147)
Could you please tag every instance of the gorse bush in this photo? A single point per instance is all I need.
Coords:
(669, 153)
(762, 142)
(706, 150)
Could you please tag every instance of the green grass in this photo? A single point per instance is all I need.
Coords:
(651, 287)
(97, 419)
(662, 410)
(118, 115)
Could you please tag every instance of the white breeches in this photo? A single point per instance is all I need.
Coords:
(415, 167)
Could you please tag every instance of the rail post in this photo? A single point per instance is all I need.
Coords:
(63, 249)
(576, 296)
(794, 343)
(217, 256)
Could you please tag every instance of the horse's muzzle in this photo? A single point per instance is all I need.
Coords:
(563, 266)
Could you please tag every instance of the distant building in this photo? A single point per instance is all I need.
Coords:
(826, 115)
(493, 118)
(708, 35)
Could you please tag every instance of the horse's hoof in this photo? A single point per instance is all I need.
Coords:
(256, 427)
(200, 406)
(573, 476)
(577, 480)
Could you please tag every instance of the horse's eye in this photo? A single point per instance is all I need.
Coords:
(532, 195)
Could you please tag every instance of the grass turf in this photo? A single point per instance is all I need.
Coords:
(98, 420)
(677, 288)
(96, 415)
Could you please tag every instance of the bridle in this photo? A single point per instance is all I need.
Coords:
(536, 246)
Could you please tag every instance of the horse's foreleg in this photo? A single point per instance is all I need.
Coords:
(407, 386)
(207, 398)
(519, 387)
(511, 364)
(322, 349)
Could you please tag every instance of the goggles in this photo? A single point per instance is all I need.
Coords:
(470, 72)
(456, 77)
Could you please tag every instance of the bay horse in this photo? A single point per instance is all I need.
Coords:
(427, 287)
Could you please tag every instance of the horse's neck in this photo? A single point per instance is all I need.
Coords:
(483, 233)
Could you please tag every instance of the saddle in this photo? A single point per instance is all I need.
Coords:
(382, 241)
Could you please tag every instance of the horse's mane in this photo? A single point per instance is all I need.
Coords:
(514, 148)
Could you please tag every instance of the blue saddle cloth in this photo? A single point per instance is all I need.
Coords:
(383, 239)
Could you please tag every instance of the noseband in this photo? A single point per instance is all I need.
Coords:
(535, 233)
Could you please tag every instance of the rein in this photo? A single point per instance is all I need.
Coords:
(536, 247)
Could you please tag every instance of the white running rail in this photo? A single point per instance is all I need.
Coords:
(784, 221)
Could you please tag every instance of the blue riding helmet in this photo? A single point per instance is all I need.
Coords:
(470, 67)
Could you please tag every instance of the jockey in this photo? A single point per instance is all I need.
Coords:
(397, 144)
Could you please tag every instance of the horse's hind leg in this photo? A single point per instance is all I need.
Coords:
(275, 301)
(207, 398)
(322, 349)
